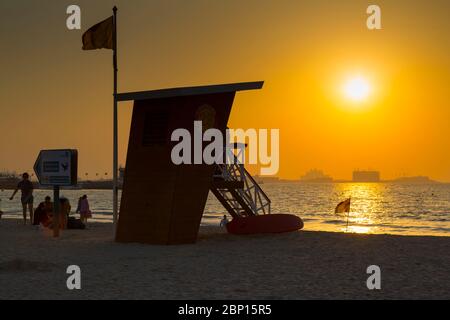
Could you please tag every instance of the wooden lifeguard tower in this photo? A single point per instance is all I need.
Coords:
(163, 203)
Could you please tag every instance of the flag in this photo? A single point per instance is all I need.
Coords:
(344, 206)
(99, 36)
(104, 36)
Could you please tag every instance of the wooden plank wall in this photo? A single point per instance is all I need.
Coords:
(163, 203)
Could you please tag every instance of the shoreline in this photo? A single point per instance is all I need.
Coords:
(206, 226)
(299, 265)
(105, 185)
(106, 218)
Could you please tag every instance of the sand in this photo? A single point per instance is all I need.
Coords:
(300, 265)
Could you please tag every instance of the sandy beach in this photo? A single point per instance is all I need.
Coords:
(300, 265)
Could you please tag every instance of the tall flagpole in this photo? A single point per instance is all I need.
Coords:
(115, 125)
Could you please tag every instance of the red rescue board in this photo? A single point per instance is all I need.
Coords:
(269, 223)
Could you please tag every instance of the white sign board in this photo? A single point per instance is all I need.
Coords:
(57, 167)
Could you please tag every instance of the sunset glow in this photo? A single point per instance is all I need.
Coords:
(240, 151)
(357, 89)
(330, 91)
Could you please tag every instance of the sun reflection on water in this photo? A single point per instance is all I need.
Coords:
(366, 207)
(358, 229)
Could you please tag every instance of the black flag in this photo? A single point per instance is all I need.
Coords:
(100, 36)
(344, 206)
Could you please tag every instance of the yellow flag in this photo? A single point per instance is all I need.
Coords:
(99, 36)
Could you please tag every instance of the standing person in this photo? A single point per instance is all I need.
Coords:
(78, 205)
(83, 209)
(26, 187)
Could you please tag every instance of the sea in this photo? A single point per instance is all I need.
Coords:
(376, 208)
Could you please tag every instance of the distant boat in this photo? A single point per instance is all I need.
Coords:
(315, 176)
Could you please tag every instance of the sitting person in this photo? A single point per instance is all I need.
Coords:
(38, 213)
(64, 209)
(41, 214)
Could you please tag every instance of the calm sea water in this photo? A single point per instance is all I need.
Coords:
(376, 208)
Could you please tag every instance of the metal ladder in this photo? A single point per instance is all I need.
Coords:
(238, 192)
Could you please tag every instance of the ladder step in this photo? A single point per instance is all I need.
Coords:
(225, 203)
(238, 192)
(222, 184)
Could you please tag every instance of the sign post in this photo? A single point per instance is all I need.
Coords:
(56, 211)
(57, 168)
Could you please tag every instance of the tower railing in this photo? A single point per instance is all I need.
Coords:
(248, 200)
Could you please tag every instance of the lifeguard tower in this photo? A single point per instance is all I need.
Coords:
(163, 203)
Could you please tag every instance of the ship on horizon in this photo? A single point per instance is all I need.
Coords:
(315, 176)
(366, 176)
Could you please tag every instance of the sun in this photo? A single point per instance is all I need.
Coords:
(357, 89)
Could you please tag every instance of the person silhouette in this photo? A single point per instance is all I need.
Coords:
(224, 221)
(26, 187)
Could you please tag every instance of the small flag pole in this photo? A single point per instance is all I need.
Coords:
(115, 124)
(348, 217)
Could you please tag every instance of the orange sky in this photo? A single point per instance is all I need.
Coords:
(54, 95)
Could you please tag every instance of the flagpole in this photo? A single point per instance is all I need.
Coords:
(115, 124)
(348, 216)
